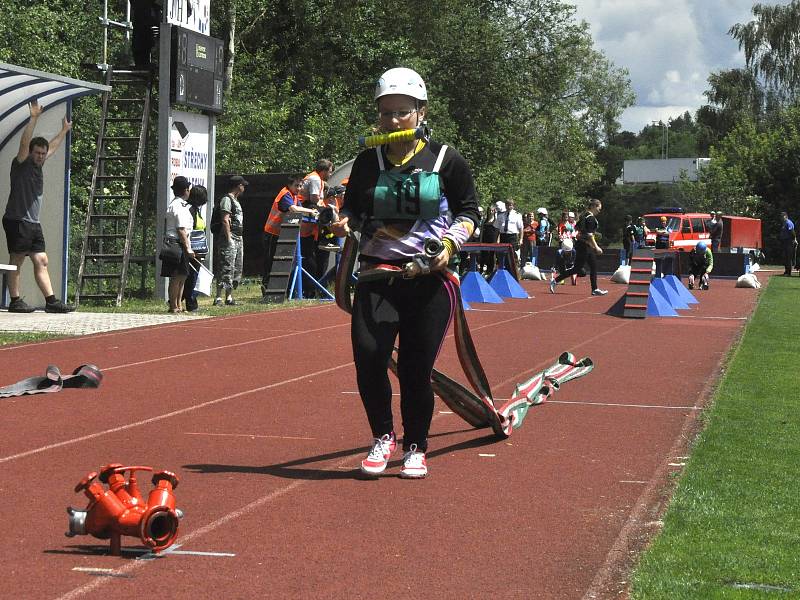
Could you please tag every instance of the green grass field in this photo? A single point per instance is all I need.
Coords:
(732, 529)
(247, 296)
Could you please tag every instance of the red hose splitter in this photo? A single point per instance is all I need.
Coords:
(121, 509)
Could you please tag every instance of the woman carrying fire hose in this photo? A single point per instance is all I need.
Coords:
(400, 195)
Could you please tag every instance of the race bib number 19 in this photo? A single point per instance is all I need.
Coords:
(401, 196)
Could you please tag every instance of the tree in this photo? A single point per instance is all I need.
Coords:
(771, 44)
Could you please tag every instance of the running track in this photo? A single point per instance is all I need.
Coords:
(259, 417)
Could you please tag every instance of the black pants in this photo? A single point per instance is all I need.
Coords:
(583, 256)
(788, 249)
(489, 236)
(270, 245)
(309, 251)
(419, 312)
(188, 288)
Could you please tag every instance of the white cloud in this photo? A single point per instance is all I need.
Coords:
(669, 48)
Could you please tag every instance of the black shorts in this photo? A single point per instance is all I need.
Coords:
(23, 237)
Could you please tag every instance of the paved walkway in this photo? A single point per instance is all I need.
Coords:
(83, 323)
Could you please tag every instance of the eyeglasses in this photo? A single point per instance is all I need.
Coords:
(397, 114)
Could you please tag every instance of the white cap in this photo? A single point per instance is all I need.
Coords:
(542, 211)
(567, 245)
(400, 80)
(571, 215)
(500, 206)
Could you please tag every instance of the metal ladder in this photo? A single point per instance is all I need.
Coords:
(283, 265)
(118, 167)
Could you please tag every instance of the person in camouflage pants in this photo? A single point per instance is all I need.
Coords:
(227, 225)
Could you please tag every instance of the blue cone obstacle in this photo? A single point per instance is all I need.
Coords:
(670, 293)
(678, 286)
(658, 305)
(506, 286)
(475, 289)
(465, 304)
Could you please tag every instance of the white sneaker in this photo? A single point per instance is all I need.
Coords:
(553, 284)
(377, 459)
(599, 292)
(414, 465)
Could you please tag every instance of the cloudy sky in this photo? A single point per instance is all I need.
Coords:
(669, 48)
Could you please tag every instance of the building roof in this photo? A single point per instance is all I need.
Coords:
(19, 86)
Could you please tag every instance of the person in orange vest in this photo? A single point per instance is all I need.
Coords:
(287, 201)
(312, 194)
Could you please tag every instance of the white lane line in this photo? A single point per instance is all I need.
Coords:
(93, 570)
(198, 553)
(444, 412)
(624, 405)
(249, 435)
(225, 347)
(169, 414)
(487, 455)
(148, 555)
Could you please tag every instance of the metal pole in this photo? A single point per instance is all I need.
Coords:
(164, 133)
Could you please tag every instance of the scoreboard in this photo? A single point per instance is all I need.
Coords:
(198, 70)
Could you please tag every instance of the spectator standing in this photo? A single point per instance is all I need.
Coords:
(566, 228)
(511, 228)
(490, 234)
(640, 232)
(543, 228)
(701, 263)
(662, 234)
(715, 230)
(227, 225)
(198, 197)
(586, 249)
(416, 308)
(23, 229)
(628, 238)
(312, 193)
(788, 239)
(177, 225)
(528, 238)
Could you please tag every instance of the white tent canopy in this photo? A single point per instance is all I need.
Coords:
(18, 86)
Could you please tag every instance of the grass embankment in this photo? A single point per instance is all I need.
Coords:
(732, 529)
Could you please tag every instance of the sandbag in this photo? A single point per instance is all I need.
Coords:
(748, 280)
(531, 271)
(622, 275)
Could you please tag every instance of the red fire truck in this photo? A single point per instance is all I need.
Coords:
(741, 234)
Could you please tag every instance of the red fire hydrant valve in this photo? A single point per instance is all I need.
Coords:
(122, 510)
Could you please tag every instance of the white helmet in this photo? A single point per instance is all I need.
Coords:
(566, 245)
(401, 81)
(542, 211)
